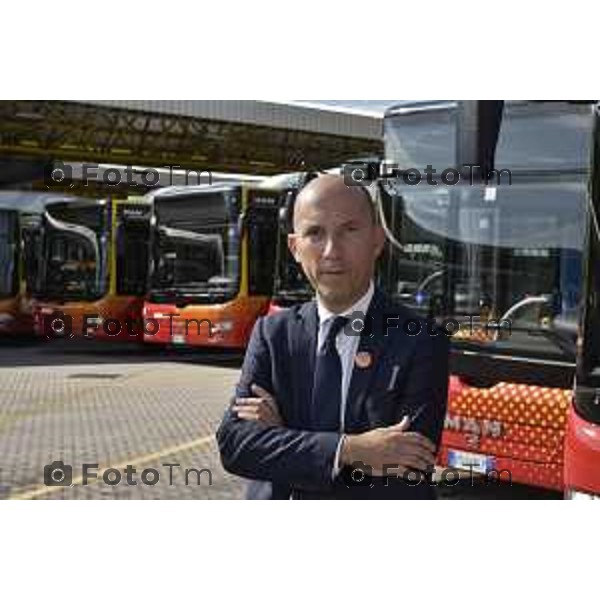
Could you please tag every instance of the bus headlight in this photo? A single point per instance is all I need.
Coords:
(571, 494)
(6, 319)
(224, 326)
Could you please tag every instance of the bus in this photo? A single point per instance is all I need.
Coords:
(582, 437)
(213, 257)
(90, 269)
(12, 321)
(16, 208)
(489, 244)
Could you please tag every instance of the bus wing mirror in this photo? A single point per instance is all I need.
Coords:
(242, 223)
(286, 212)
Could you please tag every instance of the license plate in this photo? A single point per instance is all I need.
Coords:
(469, 461)
(178, 339)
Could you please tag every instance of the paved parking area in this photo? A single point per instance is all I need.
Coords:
(113, 407)
(118, 405)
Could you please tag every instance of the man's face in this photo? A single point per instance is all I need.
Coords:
(336, 242)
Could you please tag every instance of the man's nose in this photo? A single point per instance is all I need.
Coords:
(332, 246)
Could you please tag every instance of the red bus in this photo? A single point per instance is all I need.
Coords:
(582, 438)
(498, 256)
(213, 257)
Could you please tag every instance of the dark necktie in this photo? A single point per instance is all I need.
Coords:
(327, 385)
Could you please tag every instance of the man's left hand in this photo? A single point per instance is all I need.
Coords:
(262, 407)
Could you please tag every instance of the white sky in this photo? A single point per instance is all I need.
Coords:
(376, 106)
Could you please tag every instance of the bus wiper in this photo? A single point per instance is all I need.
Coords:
(564, 338)
(565, 344)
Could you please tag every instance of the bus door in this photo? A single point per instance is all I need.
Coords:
(130, 264)
(32, 240)
(262, 230)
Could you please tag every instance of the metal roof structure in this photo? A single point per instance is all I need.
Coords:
(279, 115)
(231, 136)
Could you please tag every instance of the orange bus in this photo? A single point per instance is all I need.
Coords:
(497, 255)
(91, 269)
(213, 257)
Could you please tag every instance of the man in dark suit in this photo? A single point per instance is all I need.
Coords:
(332, 403)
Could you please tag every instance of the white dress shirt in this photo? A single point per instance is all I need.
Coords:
(346, 346)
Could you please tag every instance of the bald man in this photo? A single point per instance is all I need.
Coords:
(337, 398)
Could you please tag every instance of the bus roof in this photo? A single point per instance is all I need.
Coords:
(411, 107)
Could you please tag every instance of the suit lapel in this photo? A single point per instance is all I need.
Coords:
(303, 355)
(368, 355)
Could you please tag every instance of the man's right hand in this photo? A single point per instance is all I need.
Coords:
(392, 445)
(262, 407)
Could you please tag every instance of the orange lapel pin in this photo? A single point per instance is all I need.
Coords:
(363, 360)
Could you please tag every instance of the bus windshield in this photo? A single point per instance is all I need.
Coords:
(74, 265)
(197, 248)
(503, 259)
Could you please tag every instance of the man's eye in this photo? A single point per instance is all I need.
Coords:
(312, 233)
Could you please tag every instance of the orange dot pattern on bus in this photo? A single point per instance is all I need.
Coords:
(474, 334)
(532, 422)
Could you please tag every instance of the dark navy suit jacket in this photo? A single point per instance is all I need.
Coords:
(408, 374)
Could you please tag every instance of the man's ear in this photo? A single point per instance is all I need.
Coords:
(292, 242)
